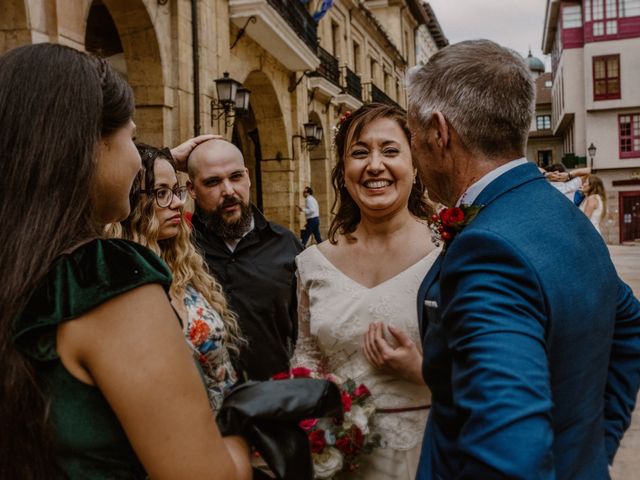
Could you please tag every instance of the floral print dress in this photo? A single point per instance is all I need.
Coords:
(206, 334)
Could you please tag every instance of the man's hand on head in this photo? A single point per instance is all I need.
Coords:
(181, 153)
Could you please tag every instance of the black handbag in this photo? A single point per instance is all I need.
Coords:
(267, 414)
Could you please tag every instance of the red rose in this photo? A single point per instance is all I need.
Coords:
(435, 218)
(345, 445)
(281, 376)
(308, 424)
(346, 401)
(301, 372)
(446, 236)
(357, 437)
(317, 441)
(451, 216)
(361, 391)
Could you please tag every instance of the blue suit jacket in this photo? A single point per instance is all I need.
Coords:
(532, 352)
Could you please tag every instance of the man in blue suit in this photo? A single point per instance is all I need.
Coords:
(531, 341)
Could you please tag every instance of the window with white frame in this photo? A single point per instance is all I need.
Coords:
(572, 16)
(543, 122)
(629, 8)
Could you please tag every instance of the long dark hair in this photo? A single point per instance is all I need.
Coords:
(345, 209)
(56, 104)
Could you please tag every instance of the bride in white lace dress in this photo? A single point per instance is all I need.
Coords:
(357, 292)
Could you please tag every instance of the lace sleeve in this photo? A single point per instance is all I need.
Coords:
(306, 354)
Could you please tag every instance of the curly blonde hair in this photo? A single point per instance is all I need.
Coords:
(186, 264)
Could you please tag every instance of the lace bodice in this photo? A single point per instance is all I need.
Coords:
(334, 313)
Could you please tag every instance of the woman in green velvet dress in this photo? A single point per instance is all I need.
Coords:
(96, 380)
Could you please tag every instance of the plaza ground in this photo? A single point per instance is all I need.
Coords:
(627, 463)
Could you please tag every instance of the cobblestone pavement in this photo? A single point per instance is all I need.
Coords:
(627, 463)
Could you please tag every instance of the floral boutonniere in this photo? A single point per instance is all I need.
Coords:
(447, 223)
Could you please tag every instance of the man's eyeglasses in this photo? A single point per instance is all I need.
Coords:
(164, 195)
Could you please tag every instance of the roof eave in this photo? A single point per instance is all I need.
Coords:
(550, 25)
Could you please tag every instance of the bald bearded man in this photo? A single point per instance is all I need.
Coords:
(252, 258)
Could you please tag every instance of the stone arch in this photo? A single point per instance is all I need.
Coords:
(139, 60)
(320, 173)
(14, 25)
(246, 137)
(276, 164)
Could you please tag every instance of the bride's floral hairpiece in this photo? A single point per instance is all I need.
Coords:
(336, 127)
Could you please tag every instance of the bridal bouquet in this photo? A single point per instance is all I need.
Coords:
(337, 443)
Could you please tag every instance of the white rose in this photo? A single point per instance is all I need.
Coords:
(358, 417)
(327, 463)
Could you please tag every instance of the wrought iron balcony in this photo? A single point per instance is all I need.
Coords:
(328, 67)
(352, 83)
(296, 15)
(377, 95)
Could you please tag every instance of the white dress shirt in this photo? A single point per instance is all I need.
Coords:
(476, 189)
(311, 207)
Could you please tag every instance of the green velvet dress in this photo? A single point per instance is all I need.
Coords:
(88, 439)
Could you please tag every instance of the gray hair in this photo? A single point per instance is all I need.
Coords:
(485, 92)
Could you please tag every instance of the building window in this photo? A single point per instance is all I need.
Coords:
(606, 77)
(335, 39)
(572, 16)
(630, 8)
(598, 10)
(629, 135)
(543, 122)
(356, 57)
(548, 83)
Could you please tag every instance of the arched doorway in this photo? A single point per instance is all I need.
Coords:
(320, 173)
(247, 138)
(122, 32)
(14, 25)
(275, 165)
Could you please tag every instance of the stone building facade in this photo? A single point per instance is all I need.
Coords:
(298, 70)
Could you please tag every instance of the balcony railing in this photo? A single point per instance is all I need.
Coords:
(296, 15)
(352, 83)
(378, 96)
(328, 67)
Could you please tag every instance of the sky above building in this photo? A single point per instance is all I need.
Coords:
(516, 24)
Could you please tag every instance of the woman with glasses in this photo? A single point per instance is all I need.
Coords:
(156, 221)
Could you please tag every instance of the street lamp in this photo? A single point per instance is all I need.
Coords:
(312, 137)
(592, 153)
(233, 99)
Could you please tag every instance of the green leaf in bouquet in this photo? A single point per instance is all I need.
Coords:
(349, 386)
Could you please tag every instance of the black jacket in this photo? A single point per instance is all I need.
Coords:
(259, 281)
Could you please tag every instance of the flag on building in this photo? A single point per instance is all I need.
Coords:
(322, 11)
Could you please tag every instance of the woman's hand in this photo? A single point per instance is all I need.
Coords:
(405, 360)
(181, 153)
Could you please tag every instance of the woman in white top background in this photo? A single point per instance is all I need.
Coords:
(357, 291)
(594, 205)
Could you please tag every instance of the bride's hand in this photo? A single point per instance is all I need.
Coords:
(404, 360)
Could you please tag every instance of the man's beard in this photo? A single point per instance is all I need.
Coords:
(216, 222)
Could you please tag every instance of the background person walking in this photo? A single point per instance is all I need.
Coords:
(312, 213)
